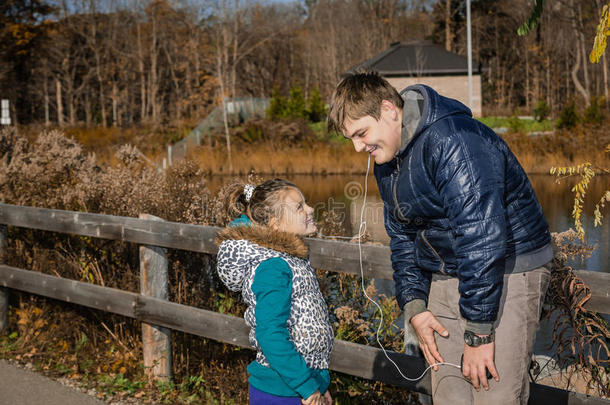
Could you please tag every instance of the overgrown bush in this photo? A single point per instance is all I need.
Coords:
(277, 105)
(278, 133)
(569, 117)
(296, 107)
(316, 108)
(541, 111)
(516, 125)
(594, 114)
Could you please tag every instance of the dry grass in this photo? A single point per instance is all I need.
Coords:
(295, 148)
(563, 148)
(269, 159)
(537, 154)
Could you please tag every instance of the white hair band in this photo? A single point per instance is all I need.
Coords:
(248, 191)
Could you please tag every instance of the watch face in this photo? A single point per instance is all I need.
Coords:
(468, 339)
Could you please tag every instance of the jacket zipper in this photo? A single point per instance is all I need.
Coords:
(394, 185)
(442, 270)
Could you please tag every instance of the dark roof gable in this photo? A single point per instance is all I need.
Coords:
(421, 58)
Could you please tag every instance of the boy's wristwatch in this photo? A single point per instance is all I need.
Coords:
(474, 340)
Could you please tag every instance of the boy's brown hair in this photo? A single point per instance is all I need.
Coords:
(360, 94)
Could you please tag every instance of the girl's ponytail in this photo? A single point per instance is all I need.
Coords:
(237, 204)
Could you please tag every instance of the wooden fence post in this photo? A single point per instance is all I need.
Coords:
(3, 291)
(156, 340)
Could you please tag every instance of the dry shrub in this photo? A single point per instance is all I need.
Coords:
(55, 172)
(44, 173)
(52, 171)
(580, 335)
(277, 132)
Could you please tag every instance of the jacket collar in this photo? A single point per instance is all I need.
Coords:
(412, 112)
(266, 237)
(423, 107)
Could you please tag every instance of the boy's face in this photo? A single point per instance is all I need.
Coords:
(381, 138)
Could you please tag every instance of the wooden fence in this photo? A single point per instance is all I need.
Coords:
(159, 315)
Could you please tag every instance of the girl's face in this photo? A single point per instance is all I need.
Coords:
(295, 215)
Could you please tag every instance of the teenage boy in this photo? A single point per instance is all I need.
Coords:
(469, 241)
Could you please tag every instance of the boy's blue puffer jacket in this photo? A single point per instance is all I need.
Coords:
(457, 202)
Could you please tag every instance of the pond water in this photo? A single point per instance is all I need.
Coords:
(343, 195)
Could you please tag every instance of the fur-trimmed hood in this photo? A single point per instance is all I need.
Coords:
(243, 246)
(266, 237)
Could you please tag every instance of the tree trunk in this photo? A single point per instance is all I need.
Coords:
(154, 81)
(567, 76)
(221, 67)
(584, 91)
(60, 107)
(448, 25)
(536, 97)
(115, 95)
(45, 89)
(549, 90)
(87, 109)
(604, 61)
(579, 87)
(605, 70)
(583, 49)
(71, 107)
(98, 72)
(143, 106)
(226, 125)
(527, 77)
(235, 46)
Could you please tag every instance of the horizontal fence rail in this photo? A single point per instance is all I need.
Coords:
(324, 254)
(349, 358)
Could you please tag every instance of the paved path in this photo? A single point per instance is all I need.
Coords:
(23, 387)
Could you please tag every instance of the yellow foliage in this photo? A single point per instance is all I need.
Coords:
(63, 345)
(586, 173)
(598, 207)
(39, 323)
(603, 30)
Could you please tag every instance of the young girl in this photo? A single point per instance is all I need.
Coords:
(261, 254)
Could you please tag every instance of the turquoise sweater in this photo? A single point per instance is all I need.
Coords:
(288, 374)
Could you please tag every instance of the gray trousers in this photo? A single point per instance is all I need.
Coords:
(520, 307)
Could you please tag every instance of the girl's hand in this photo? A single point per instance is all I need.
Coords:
(327, 398)
(313, 399)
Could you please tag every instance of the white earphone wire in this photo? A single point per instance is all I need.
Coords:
(361, 232)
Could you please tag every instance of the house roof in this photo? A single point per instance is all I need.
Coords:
(422, 58)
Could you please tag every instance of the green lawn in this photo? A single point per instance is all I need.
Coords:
(515, 124)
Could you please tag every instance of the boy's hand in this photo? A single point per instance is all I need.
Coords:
(477, 360)
(425, 324)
